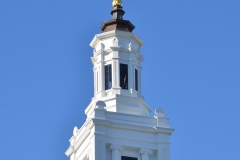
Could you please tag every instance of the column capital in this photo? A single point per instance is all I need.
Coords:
(116, 147)
(145, 151)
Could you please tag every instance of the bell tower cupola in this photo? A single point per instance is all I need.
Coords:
(117, 65)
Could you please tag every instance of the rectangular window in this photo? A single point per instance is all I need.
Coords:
(136, 80)
(124, 76)
(128, 158)
(108, 77)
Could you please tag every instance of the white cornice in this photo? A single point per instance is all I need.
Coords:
(83, 134)
(99, 37)
(143, 128)
(120, 49)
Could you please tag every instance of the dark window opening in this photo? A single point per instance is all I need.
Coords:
(128, 158)
(124, 76)
(108, 77)
(136, 80)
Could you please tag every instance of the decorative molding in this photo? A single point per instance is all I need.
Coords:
(94, 59)
(88, 153)
(116, 147)
(75, 130)
(78, 143)
(98, 52)
(145, 151)
(106, 35)
(141, 58)
(70, 151)
(116, 48)
(120, 49)
(107, 51)
(139, 141)
(100, 105)
(115, 42)
(159, 112)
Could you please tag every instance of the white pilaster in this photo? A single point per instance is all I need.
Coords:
(140, 81)
(114, 74)
(163, 151)
(118, 75)
(102, 83)
(145, 153)
(133, 76)
(116, 152)
(130, 79)
(95, 80)
(98, 145)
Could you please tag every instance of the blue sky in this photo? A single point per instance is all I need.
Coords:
(191, 69)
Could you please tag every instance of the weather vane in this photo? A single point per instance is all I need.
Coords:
(117, 3)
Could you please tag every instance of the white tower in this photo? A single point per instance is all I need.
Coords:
(118, 125)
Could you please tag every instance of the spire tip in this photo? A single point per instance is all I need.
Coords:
(117, 3)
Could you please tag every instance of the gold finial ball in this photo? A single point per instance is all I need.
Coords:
(117, 3)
